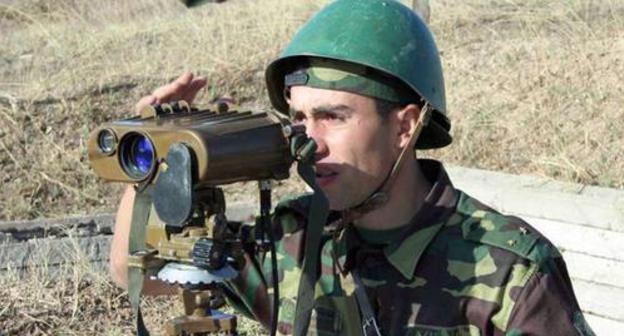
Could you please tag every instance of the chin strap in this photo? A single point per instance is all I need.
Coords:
(381, 195)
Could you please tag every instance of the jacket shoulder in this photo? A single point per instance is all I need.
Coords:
(290, 213)
(485, 225)
(294, 203)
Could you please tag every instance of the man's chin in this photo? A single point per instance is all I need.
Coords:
(337, 203)
(337, 199)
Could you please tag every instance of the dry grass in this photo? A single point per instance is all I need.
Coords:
(70, 300)
(67, 67)
(533, 87)
(77, 298)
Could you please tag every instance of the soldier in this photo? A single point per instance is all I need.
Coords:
(404, 252)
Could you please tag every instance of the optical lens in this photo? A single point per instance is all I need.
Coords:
(142, 154)
(107, 141)
(137, 155)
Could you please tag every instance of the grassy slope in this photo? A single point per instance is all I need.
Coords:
(533, 87)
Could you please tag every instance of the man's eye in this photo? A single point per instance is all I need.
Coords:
(330, 117)
(297, 118)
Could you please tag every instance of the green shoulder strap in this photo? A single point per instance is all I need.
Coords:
(140, 216)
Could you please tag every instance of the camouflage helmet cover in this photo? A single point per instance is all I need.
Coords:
(383, 35)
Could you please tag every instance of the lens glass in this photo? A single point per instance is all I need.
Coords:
(142, 154)
(107, 141)
(136, 155)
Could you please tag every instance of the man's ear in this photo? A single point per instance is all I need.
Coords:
(407, 118)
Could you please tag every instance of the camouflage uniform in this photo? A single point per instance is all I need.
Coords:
(459, 268)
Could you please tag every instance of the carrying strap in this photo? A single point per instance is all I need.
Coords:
(317, 218)
(369, 324)
(136, 243)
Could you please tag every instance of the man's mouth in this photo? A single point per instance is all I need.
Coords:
(325, 174)
(325, 177)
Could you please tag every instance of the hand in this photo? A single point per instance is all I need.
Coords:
(183, 88)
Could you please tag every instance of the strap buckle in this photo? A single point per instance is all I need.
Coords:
(370, 328)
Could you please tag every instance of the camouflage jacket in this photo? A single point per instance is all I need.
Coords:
(459, 268)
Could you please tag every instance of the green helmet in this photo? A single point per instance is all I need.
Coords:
(383, 35)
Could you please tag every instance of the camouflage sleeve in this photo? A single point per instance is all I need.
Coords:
(251, 292)
(546, 305)
(248, 293)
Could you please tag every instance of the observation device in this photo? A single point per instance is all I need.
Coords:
(177, 156)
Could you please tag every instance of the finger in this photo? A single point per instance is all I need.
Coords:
(173, 90)
(193, 88)
(226, 98)
(145, 101)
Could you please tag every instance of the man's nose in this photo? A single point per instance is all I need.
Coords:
(315, 132)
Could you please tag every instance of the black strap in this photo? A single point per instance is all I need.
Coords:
(317, 218)
(369, 324)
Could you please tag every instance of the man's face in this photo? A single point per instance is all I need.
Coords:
(356, 148)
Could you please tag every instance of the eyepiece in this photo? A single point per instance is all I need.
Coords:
(137, 155)
(107, 141)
